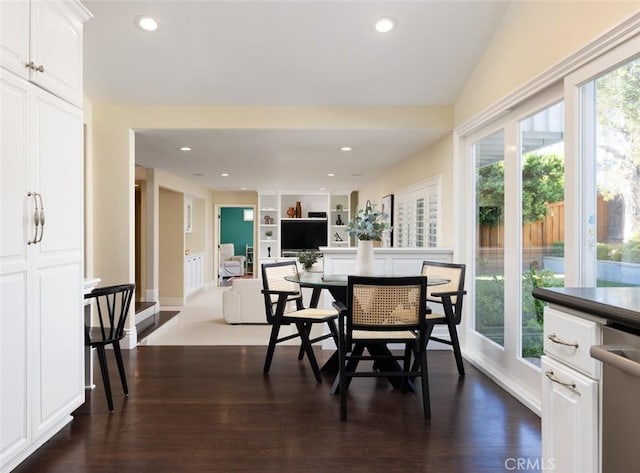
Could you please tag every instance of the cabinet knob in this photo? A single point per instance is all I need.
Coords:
(40, 68)
(30, 65)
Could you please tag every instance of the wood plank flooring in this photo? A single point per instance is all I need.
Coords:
(210, 409)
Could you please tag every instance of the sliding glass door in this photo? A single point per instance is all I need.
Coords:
(518, 195)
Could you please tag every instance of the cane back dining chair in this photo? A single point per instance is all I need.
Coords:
(450, 297)
(110, 312)
(279, 296)
(379, 311)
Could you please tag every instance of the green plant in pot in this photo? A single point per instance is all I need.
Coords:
(308, 258)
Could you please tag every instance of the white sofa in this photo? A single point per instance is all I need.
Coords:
(244, 303)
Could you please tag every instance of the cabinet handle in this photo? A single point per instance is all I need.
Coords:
(40, 68)
(555, 339)
(36, 218)
(549, 374)
(30, 65)
(41, 215)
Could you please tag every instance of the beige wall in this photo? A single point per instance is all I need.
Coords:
(432, 162)
(532, 37)
(171, 241)
(113, 157)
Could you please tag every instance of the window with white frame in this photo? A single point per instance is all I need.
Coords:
(417, 210)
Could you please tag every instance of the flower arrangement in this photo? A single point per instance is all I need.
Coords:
(368, 224)
(308, 258)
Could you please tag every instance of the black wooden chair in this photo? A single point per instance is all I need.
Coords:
(379, 311)
(279, 296)
(450, 297)
(110, 312)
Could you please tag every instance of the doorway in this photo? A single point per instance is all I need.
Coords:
(236, 227)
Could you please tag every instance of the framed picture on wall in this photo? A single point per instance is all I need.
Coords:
(387, 208)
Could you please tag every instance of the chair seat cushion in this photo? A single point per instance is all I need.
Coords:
(383, 335)
(436, 316)
(312, 314)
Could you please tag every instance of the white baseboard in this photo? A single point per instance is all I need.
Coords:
(151, 295)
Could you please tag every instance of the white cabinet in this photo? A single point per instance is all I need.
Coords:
(193, 274)
(570, 393)
(42, 42)
(41, 251)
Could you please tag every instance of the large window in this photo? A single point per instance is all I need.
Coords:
(416, 215)
(489, 206)
(542, 210)
(612, 105)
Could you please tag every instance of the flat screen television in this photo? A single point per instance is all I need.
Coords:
(303, 234)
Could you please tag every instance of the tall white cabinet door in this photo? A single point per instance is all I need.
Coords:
(57, 262)
(58, 178)
(14, 404)
(58, 386)
(56, 45)
(569, 420)
(14, 36)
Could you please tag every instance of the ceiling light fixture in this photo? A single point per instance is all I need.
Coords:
(147, 23)
(331, 174)
(184, 148)
(386, 24)
(225, 174)
(346, 148)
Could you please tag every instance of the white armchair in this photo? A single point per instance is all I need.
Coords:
(230, 264)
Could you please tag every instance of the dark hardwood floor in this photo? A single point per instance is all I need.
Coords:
(210, 409)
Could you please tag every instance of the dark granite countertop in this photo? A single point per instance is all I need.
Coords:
(615, 304)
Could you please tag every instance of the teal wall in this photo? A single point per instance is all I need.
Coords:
(233, 229)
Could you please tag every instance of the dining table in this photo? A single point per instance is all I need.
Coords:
(337, 284)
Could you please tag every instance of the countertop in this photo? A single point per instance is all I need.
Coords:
(615, 304)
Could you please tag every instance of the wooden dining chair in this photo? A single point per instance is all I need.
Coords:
(279, 296)
(110, 312)
(450, 297)
(379, 311)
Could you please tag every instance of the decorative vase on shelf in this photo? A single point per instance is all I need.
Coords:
(291, 213)
(365, 258)
(298, 210)
(339, 220)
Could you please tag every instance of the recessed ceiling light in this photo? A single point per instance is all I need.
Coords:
(323, 189)
(147, 23)
(225, 174)
(243, 188)
(331, 174)
(184, 148)
(384, 25)
(346, 148)
(198, 174)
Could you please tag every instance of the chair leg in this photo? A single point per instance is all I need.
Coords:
(301, 351)
(455, 343)
(306, 343)
(123, 377)
(342, 355)
(334, 330)
(426, 401)
(408, 350)
(102, 358)
(275, 330)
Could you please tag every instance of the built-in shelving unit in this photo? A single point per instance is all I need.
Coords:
(276, 207)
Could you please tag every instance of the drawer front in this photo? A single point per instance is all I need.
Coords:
(568, 338)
